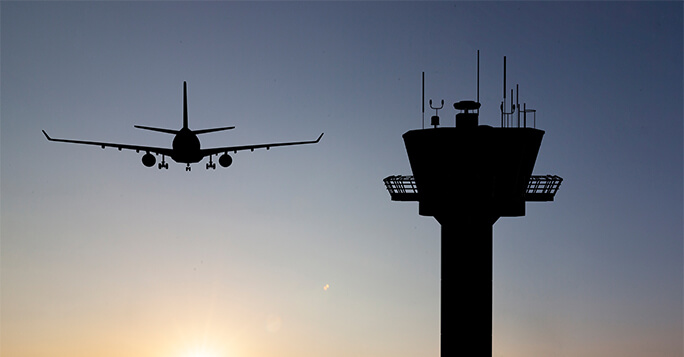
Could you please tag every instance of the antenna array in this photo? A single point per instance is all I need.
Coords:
(507, 117)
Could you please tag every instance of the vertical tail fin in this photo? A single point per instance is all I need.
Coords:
(185, 105)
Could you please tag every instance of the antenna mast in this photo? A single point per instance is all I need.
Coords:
(478, 76)
(423, 101)
(503, 104)
(506, 116)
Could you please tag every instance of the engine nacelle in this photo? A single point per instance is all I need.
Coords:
(148, 160)
(225, 160)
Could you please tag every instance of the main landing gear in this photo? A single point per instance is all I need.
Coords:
(211, 164)
(163, 164)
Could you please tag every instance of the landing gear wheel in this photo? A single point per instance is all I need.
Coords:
(211, 164)
(187, 168)
(163, 164)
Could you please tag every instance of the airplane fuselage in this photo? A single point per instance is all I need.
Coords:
(186, 147)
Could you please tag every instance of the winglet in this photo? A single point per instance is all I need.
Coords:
(317, 140)
(47, 136)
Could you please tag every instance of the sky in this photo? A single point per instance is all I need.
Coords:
(299, 251)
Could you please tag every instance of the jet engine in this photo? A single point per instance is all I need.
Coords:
(225, 160)
(148, 160)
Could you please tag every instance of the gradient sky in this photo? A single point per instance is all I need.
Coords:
(101, 256)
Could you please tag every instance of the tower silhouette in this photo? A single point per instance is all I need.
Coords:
(467, 177)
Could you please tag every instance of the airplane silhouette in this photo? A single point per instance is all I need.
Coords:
(186, 145)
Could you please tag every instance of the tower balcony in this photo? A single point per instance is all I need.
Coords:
(540, 188)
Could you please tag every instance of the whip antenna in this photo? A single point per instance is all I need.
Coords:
(423, 100)
(478, 76)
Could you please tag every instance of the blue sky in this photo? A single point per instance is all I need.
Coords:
(103, 256)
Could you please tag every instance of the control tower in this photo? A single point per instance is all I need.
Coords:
(467, 177)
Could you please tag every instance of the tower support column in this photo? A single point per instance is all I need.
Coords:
(466, 288)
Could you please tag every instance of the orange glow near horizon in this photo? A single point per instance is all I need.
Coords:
(202, 352)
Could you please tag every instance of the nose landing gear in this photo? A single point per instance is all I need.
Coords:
(188, 168)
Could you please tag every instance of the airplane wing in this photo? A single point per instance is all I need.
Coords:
(234, 149)
(137, 148)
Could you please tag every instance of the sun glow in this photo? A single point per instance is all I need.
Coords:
(201, 352)
(203, 348)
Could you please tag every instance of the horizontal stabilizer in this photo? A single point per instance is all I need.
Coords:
(204, 131)
(161, 130)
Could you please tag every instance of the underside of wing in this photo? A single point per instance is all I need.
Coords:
(137, 148)
(234, 149)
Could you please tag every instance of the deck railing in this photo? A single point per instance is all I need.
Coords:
(542, 188)
(539, 189)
